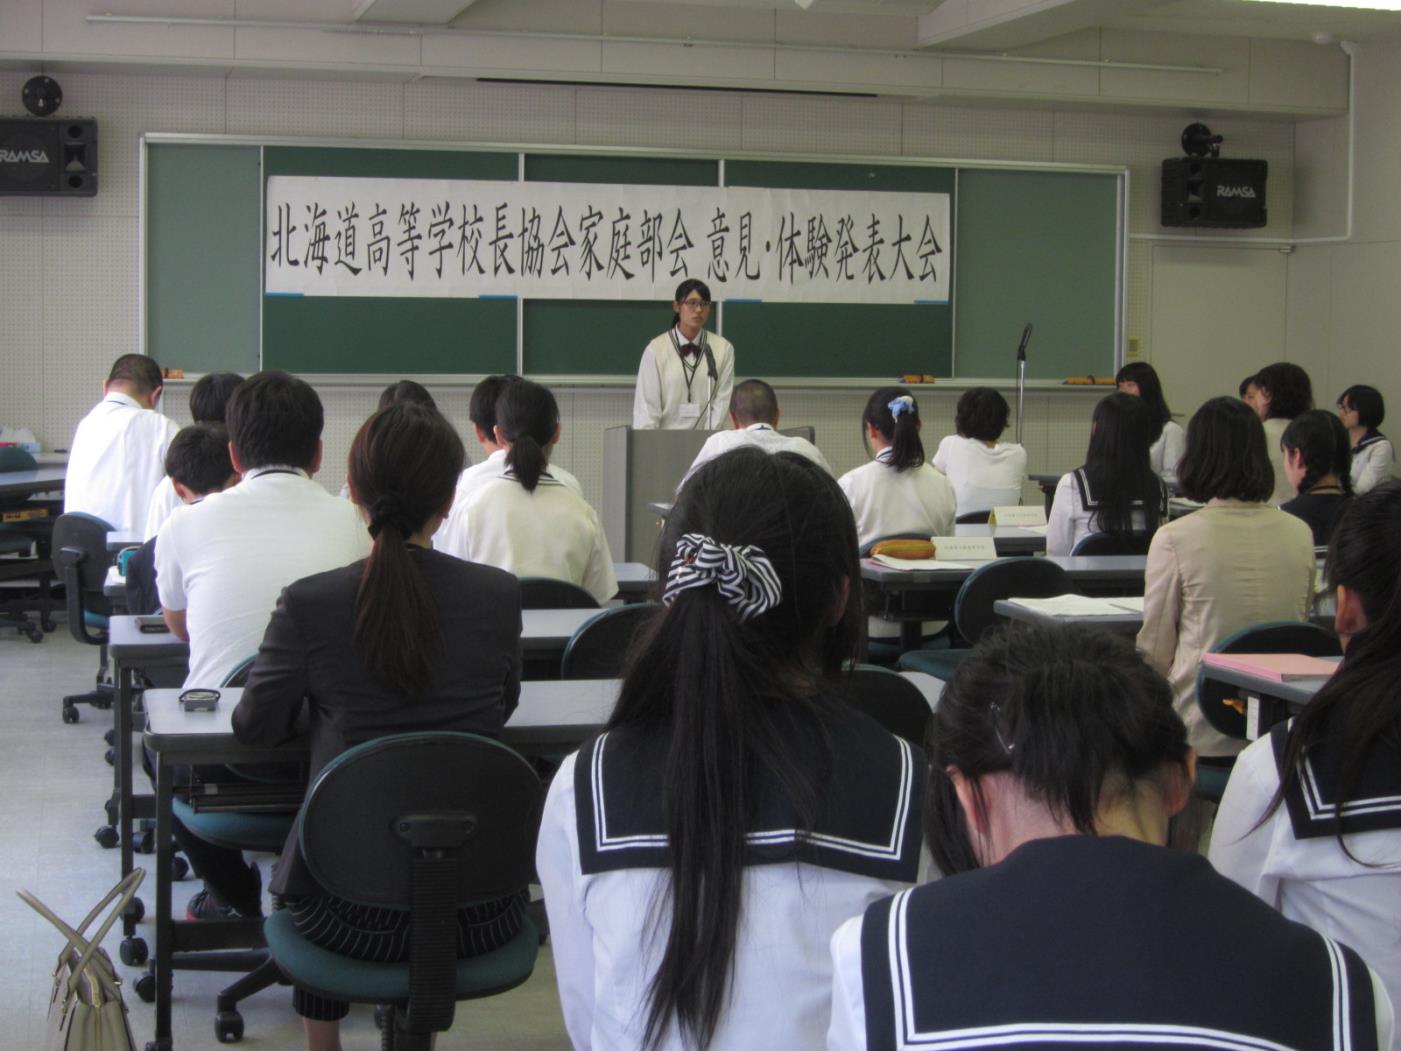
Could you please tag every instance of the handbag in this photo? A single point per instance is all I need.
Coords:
(86, 1012)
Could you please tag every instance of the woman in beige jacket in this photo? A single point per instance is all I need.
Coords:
(1238, 561)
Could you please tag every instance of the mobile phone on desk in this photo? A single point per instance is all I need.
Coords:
(199, 700)
(151, 625)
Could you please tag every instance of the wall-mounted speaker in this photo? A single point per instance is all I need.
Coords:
(1209, 191)
(48, 157)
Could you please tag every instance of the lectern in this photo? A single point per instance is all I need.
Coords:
(641, 467)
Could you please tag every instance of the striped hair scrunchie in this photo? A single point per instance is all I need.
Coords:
(743, 575)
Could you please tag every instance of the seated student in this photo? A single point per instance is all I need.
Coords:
(117, 455)
(208, 397)
(196, 464)
(409, 639)
(1310, 820)
(221, 563)
(1116, 491)
(1278, 393)
(748, 809)
(1361, 410)
(985, 472)
(399, 391)
(754, 415)
(1063, 918)
(1236, 562)
(525, 520)
(481, 410)
(1167, 437)
(1316, 461)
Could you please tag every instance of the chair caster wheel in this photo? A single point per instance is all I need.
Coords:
(70, 713)
(110, 737)
(48, 625)
(36, 636)
(228, 1027)
(146, 989)
(147, 843)
(110, 756)
(136, 911)
(179, 869)
(383, 1013)
(106, 837)
(133, 951)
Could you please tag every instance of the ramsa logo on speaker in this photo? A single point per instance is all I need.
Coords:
(1236, 191)
(23, 156)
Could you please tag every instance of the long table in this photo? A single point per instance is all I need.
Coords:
(29, 483)
(1267, 701)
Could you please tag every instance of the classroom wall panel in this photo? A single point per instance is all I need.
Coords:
(323, 109)
(678, 120)
(22, 313)
(67, 32)
(1309, 321)
(1320, 177)
(1378, 141)
(1298, 73)
(22, 27)
(1230, 55)
(803, 124)
(1365, 320)
(465, 112)
(931, 130)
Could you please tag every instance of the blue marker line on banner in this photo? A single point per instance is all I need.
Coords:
(286, 295)
(741, 299)
(931, 302)
(496, 295)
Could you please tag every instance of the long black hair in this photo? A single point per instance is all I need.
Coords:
(403, 469)
(1289, 388)
(527, 417)
(1071, 712)
(729, 698)
(1358, 710)
(902, 431)
(1117, 466)
(1322, 439)
(1150, 389)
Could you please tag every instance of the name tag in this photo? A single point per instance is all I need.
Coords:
(689, 411)
(1018, 516)
(964, 548)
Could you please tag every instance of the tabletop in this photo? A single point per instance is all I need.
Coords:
(27, 483)
(1120, 623)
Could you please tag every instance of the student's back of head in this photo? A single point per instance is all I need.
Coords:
(198, 460)
(1321, 441)
(981, 414)
(1286, 389)
(209, 397)
(406, 390)
(1139, 377)
(1225, 455)
(403, 469)
(754, 401)
(894, 414)
(136, 374)
(481, 410)
(527, 420)
(1120, 474)
(275, 419)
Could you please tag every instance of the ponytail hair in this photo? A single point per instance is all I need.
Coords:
(731, 694)
(1073, 713)
(403, 470)
(1323, 441)
(894, 412)
(528, 417)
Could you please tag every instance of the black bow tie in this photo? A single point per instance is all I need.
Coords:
(690, 350)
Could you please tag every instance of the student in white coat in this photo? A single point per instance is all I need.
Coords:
(1167, 438)
(1361, 410)
(985, 471)
(1311, 818)
(525, 520)
(208, 397)
(754, 415)
(117, 457)
(1063, 918)
(686, 374)
(697, 856)
(1116, 491)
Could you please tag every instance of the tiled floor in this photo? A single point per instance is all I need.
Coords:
(53, 780)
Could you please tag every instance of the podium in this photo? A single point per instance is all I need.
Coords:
(641, 467)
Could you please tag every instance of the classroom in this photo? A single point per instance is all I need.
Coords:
(1010, 85)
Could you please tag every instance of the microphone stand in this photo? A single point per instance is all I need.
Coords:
(1021, 378)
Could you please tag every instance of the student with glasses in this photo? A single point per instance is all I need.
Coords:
(687, 373)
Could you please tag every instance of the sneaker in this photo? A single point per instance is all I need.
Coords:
(207, 905)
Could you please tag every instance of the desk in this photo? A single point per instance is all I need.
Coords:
(635, 581)
(121, 539)
(28, 483)
(1047, 484)
(114, 584)
(1119, 623)
(1008, 540)
(1267, 701)
(548, 631)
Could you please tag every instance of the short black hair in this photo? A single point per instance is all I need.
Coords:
(209, 397)
(1225, 454)
(275, 418)
(981, 414)
(1289, 387)
(198, 457)
(406, 391)
(1366, 402)
(754, 401)
(137, 369)
(481, 410)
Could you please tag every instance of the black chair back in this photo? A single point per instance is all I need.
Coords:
(13, 458)
(974, 518)
(1005, 578)
(807, 432)
(545, 593)
(80, 546)
(600, 648)
(1113, 544)
(890, 699)
(1283, 636)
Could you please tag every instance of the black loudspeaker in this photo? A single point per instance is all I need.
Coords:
(48, 157)
(1208, 191)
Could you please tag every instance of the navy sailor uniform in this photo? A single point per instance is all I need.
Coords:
(1098, 942)
(1075, 512)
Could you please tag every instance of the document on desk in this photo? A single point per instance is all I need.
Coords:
(919, 563)
(1080, 606)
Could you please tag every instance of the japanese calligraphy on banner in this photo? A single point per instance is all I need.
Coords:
(425, 237)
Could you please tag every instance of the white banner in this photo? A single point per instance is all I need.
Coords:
(429, 237)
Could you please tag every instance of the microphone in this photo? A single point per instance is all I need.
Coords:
(709, 358)
(1026, 338)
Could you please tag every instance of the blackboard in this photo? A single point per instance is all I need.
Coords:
(1033, 245)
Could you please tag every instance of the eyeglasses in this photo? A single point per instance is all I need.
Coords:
(696, 304)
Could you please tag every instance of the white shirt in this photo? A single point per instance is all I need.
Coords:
(551, 532)
(606, 950)
(1274, 431)
(983, 478)
(494, 466)
(226, 559)
(1069, 522)
(1167, 451)
(663, 401)
(760, 435)
(1313, 880)
(1371, 465)
(164, 499)
(886, 501)
(116, 460)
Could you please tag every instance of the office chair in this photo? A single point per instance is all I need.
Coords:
(600, 647)
(81, 542)
(423, 823)
(1113, 544)
(546, 593)
(973, 615)
(30, 543)
(890, 699)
